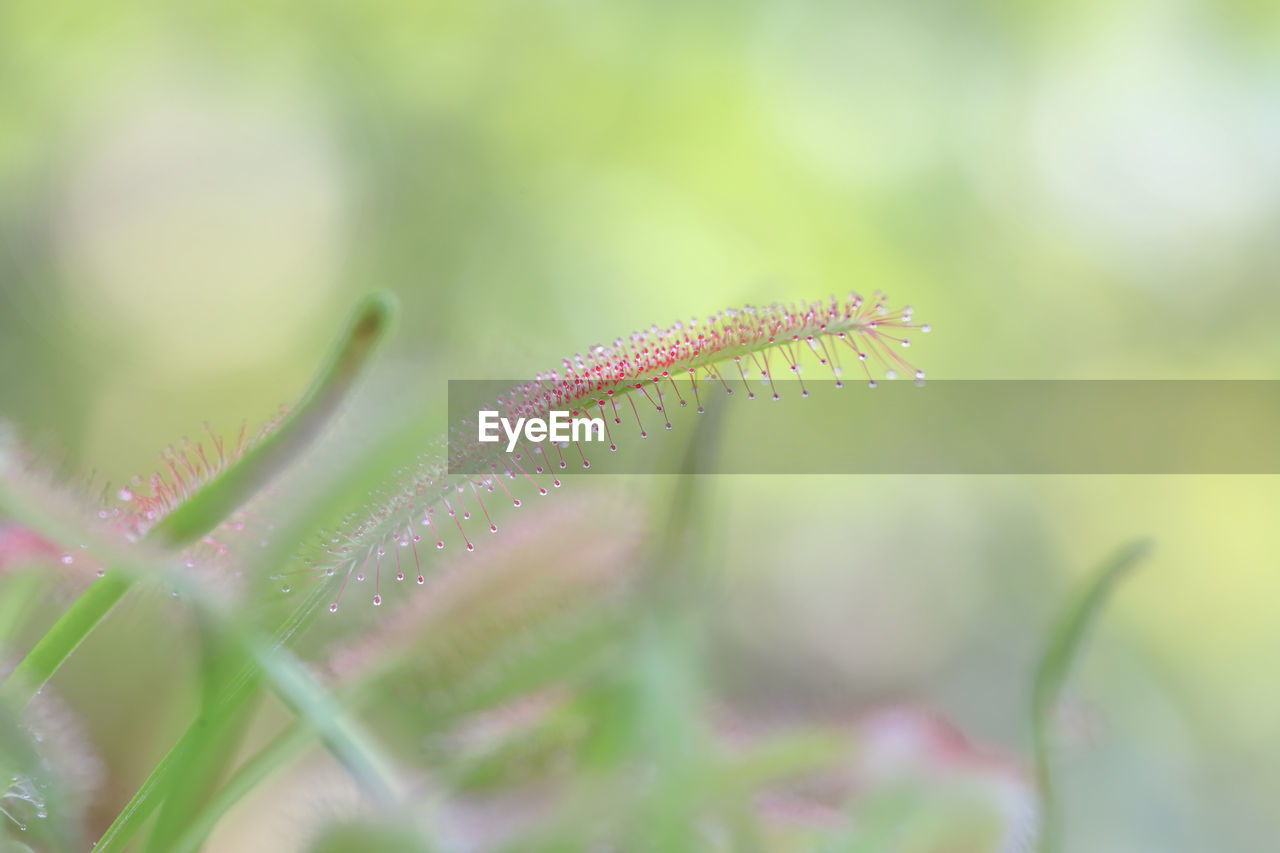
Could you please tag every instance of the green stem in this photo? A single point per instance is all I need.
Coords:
(286, 746)
(338, 733)
(320, 715)
(231, 700)
(206, 762)
(140, 807)
(61, 640)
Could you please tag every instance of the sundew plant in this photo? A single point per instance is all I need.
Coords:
(916, 364)
(497, 656)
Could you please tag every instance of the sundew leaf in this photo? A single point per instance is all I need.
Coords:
(206, 508)
(198, 487)
(631, 384)
(1065, 641)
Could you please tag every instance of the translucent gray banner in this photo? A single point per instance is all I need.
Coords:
(943, 427)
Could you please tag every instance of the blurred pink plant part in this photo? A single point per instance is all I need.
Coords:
(123, 515)
(61, 783)
(19, 546)
(902, 760)
(902, 775)
(480, 651)
(571, 561)
(69, 525)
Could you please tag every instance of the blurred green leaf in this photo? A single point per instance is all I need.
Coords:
(1065, 640)
(364, 836)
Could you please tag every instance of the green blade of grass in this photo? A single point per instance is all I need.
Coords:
(208, 507)
(205, 761)
(321, 715)
(234, 695)
(284, 748)
(1064, 645)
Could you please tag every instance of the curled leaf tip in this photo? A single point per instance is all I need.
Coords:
(374, 317)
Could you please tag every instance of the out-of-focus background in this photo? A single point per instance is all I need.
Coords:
(192, 195)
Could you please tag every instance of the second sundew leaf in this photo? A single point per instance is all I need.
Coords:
(631, 384)
(208, 507)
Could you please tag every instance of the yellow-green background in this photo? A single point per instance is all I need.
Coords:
(192, 195)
